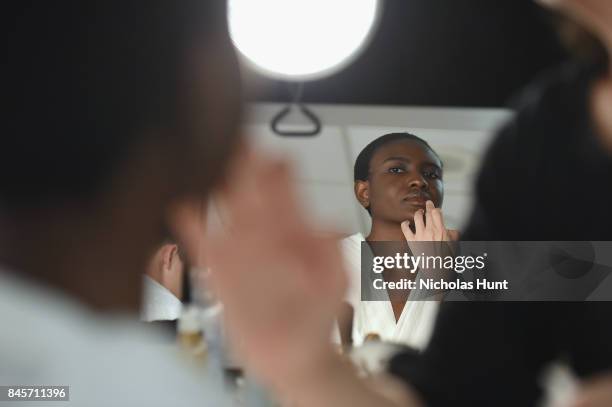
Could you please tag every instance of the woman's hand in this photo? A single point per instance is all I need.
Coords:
(428, 236)
(428, 226)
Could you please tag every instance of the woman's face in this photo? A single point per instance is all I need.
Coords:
(403, 175)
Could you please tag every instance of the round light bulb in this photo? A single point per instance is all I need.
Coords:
(301, 39)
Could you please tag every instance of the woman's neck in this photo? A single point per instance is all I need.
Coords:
(385, 231)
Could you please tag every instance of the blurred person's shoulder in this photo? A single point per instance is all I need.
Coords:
(49, 340)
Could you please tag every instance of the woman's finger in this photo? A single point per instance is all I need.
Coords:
(436, 219)
(453, 235)
(419, 223)
(429, 224)
(407, 231)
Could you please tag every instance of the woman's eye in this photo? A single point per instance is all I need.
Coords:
(396, 170)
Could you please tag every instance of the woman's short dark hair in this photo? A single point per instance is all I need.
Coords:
(362, 163)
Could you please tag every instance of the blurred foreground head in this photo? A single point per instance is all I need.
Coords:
(585, 26)
(117, 110)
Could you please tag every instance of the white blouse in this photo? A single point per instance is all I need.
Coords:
(415, 324)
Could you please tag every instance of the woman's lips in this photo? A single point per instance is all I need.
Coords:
(418, 200)
(417, 196)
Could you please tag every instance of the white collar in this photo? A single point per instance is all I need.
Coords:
(158, 303)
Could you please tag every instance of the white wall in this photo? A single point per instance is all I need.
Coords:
(324, 163)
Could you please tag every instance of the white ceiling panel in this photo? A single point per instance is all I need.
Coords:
(322, 158)
(332, 208)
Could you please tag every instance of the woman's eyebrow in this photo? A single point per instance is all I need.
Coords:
(405, 159)
(432, 164)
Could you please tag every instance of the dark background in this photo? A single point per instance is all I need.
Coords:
(472, 53)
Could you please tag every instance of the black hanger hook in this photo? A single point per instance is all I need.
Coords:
(276, 120)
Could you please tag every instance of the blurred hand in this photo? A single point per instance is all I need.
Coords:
(595, 393)
(280, 284)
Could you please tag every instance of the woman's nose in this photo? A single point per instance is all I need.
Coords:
(418, 181)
